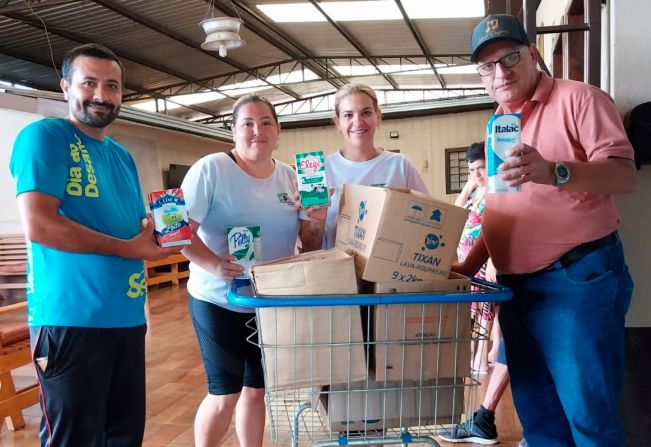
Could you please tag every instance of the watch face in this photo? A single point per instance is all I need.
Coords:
(563, 172)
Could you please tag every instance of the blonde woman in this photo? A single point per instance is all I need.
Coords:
(360, 161)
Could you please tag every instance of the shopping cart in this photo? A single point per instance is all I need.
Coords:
(367, 369)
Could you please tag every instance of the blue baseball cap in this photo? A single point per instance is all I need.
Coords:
(496, 27)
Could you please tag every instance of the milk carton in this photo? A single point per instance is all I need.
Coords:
(171, 226)
(244, 243)
(312, 186)
(503, 134)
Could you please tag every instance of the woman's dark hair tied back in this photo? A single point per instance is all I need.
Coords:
(252, 98)
(475, 152)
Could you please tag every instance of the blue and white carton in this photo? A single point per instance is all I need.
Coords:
(503, 134)
(244, 243)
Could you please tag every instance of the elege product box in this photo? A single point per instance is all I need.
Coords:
(312, 186)
(398, 235)
(503, 134)
(171, 226)
(244, 243)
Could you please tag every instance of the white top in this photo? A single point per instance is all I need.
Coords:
(219, 194)
(388, 169)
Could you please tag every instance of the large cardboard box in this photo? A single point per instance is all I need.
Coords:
(311, 346)
(314, 345)
(412, 338)
(455, 283)
(390, 323)
(398, 235)
(383, 405)
(313, 273)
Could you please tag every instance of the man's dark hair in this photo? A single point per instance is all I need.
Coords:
(475, 152)
(90, 50)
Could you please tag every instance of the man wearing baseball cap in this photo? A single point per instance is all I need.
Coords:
(555, 244)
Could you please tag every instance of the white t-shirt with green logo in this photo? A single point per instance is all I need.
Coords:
(388, 169)
(219, 195)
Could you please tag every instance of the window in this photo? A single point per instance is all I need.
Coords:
(456, 169)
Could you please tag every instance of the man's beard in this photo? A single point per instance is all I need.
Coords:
(95, 119)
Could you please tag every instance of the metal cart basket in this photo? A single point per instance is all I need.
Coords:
(367, 369)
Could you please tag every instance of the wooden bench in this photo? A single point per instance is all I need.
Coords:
(14, 352)
(178, 270)
(13, 267)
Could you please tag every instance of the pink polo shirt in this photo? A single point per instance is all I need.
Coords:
(566, 121)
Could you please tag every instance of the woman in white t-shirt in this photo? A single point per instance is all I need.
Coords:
(242, 187)
(357, 117)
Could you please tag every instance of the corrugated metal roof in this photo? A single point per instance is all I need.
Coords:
(129, 39)
(389, 38)
(321, 39)
(411, 81)
(308, 89)
(21, 72)
(447, 36)
(159, 43)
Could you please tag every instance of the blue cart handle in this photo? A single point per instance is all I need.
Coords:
(485, 291)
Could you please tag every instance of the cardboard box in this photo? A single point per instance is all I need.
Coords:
(398, 235)
(432, 338)
(313, 273)
(311, 346)
(390, 405)
(455, 283)
(316, 345)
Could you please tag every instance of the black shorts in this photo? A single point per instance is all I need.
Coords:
(92, 385)
(229, 359)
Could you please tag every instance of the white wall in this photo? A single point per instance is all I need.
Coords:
(630, 74)
(11, 122)
(154, 149)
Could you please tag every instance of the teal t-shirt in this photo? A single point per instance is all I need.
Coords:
(97, 183)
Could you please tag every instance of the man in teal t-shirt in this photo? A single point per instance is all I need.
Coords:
(84, 218)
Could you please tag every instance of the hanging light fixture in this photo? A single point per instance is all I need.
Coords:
(222, 33)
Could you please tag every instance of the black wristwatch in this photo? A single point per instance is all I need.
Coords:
(562, 173)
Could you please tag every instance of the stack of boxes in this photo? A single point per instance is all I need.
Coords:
(401, 241)
(314, 345)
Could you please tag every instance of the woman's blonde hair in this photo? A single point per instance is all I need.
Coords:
(354, 88)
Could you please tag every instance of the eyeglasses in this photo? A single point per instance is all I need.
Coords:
(508, 61)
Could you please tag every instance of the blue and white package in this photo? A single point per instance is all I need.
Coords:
(503, 134)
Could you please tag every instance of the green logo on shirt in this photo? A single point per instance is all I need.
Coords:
(284, 197)
(137, 285)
